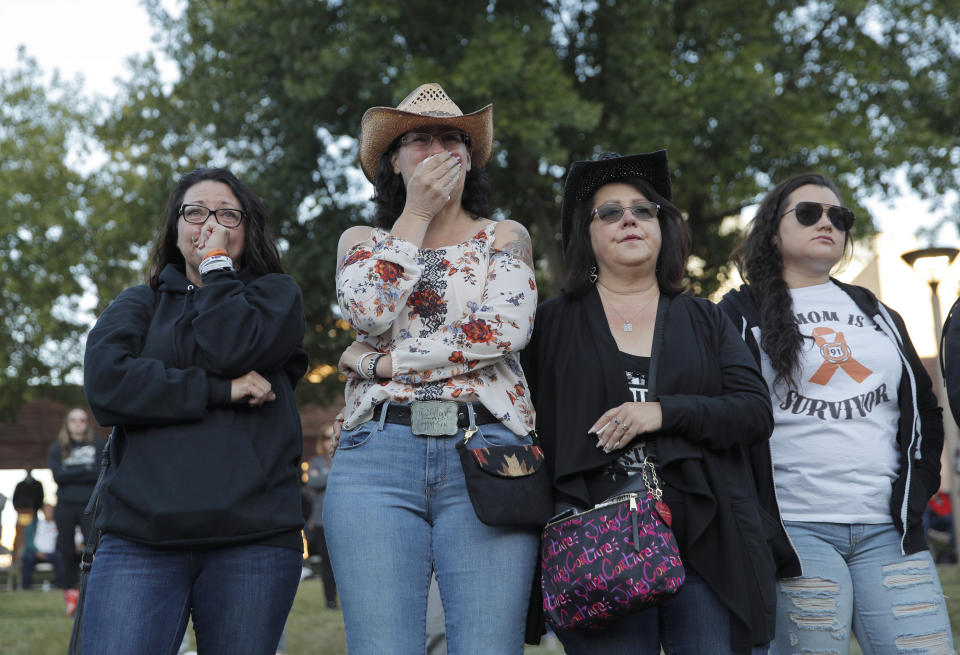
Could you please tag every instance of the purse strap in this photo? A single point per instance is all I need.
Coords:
(659, 329)
(650, 479)
(75, 645)
(636, 483)
(86, 561)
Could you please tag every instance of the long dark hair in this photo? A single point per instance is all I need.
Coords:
(674, 246)
(760, 263)
(389, 193)
(259, 249)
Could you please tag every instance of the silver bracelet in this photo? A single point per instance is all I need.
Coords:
(359, 365)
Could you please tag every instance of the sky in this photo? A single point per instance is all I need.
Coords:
(94, 38)
(90, 38)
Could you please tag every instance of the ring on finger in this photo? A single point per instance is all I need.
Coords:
(617, 421)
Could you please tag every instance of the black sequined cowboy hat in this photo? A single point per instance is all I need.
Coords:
(585, 177)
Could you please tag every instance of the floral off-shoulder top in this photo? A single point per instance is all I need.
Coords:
(454, 320)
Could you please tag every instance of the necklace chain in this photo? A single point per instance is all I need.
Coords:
(628, 322)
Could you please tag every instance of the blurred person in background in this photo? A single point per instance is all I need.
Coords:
(27, 499)
(74, 460)
(317, 473)
(41, 546)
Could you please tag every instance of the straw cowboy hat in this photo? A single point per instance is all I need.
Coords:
(428, 104)
(585, 177)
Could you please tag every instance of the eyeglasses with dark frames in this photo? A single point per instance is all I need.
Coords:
(227, 217)
(424, 140)
(612, 212)
(808, 213)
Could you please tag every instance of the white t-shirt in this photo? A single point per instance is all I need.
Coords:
(834, 443)
(45, 539)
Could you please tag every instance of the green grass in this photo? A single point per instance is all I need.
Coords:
(34, 623)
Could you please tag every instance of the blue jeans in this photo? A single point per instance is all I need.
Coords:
(138, 598)
(694, 622)
(854, 576)
(29, 561)
(397, 507)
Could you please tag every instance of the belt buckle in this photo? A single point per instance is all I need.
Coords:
(433, 418)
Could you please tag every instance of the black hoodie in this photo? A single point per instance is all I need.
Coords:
(188, 467)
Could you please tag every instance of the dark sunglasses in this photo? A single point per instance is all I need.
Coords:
(611, 213)
(808, 213)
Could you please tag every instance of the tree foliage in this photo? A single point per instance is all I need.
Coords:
(742, 94)
(44, 244)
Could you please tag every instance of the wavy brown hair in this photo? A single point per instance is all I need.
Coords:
(760, 263)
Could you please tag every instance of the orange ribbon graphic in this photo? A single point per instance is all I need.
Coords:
(837, 355)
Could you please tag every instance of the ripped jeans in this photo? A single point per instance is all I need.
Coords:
(855, 577)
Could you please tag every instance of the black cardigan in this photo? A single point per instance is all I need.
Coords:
(715, 405)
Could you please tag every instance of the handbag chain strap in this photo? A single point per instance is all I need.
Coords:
(650, 479)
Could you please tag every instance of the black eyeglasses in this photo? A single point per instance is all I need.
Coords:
(200, 214)
(808, 213)
(611, 213)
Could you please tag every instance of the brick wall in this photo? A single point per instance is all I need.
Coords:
(25, 442)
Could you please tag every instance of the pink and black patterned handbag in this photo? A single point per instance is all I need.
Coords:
(610, 561)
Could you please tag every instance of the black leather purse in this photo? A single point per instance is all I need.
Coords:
(508, 485)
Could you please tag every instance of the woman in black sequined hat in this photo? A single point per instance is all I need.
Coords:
(608, 394)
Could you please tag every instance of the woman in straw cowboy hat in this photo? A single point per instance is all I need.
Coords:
(610, 394)
(442, 299)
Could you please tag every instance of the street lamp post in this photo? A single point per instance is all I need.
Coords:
(932, 263)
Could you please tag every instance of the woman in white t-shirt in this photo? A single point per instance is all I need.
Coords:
(857, 437)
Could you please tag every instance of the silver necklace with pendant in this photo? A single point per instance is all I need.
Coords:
(628, 322)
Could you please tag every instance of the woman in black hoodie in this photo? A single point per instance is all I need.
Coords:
(200, 508)
(74, 461)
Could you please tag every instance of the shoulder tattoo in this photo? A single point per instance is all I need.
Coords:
(518, 245)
